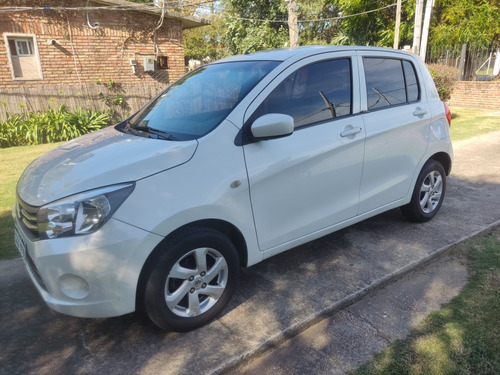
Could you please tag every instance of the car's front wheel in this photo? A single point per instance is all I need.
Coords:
(192, 279)
(428, 193)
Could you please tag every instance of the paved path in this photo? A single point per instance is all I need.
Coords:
(276, 299)
(351, 336)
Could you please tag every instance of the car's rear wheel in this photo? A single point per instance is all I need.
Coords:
(192, 280)
(428, 193)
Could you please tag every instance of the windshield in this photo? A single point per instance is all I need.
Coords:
(195, 104)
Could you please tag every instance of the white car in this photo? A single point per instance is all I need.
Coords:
(235, 162)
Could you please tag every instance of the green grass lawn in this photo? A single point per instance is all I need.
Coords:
(13, 161)
(463, 337)
(467, 123)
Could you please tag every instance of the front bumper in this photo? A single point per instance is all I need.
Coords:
(92, 276)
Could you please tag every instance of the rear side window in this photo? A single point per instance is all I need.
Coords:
(390, 82)
(413, 92)
(314, 93)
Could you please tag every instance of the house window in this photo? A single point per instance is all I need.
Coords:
(23, 57)
(21, 47)
(162, 62)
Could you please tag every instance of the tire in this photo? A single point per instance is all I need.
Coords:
(192, 280)
(428, 193)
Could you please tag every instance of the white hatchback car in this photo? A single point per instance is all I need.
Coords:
(235, 162)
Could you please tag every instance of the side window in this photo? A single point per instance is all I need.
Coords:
(389, 82)
(385, 83)
(412, 88)
(25, 63)
(314, 93)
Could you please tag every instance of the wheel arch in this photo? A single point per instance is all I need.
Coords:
(444, 159)
(226, 228)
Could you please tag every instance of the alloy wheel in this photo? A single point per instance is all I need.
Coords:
(431, 191)
(196, 282)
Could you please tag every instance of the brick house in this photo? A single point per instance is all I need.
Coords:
(77, 42)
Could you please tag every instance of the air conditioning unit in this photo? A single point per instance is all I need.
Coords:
(149, 64)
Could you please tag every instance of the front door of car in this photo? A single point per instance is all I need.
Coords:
(309, 180)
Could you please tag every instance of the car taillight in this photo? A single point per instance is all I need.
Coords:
(448, 113)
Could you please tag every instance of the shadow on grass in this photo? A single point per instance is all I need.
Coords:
(8, 249)
(463, 336)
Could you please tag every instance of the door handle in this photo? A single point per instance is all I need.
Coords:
(418, 112)
(350, 131)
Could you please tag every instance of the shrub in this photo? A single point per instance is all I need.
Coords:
(444, 77)
(88, 120)
(11, 131)
(53, 125)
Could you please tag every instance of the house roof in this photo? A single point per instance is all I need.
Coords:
(188, 22)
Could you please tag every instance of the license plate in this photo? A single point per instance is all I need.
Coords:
(20, 243)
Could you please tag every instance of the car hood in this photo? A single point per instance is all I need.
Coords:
(102, 158)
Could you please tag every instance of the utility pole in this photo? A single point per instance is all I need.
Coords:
(293, 27)
(425, 31)
(417, 28)
(398, 23)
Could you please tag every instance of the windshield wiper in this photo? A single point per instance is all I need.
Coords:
(160, 134)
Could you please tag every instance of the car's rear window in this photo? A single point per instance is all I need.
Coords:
(195, 104)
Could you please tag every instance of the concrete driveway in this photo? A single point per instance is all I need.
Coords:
(276, 299)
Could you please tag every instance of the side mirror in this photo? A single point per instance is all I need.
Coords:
(272, 125)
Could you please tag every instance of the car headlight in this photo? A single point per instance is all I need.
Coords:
(83, 213)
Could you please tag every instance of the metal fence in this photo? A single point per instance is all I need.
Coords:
(474, 64)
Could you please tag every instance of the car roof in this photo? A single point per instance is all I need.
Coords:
(282, 54)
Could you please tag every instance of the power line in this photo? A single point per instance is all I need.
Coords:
(320, 19)
(136, 6)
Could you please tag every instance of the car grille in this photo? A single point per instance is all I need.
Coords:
(26, 217)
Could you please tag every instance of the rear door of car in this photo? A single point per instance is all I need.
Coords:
(309, 180)
(396, 119)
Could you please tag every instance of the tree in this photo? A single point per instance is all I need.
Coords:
(250, 25)
(368, 22)
(472, 22)
(260, 24)
(254, 25)
(318, 21)
(205, 42)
